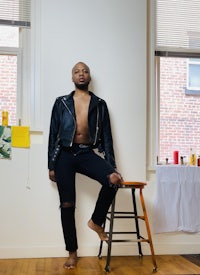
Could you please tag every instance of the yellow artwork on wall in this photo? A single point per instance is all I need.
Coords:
(20, 136)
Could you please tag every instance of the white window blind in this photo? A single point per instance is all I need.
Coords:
(177, 26)
(15, 13)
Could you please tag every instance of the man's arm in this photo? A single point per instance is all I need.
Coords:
(107, 136)
(53, 134)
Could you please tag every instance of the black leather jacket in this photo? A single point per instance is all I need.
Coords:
(63, 127)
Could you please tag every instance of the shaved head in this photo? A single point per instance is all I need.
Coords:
(79, 64)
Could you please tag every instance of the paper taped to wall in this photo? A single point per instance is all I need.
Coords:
(20, 136)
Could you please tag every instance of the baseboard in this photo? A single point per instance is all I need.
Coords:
(173, 248)
(118, 249)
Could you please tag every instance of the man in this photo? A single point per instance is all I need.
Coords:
(79, 123)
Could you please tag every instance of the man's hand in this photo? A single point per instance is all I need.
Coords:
(52, 175)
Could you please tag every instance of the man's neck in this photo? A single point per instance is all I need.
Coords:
(79, 92)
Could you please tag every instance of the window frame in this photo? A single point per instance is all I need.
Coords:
(23, 75)
(36, 96)
(191, 90)
(153, 85)
(152, 104)
(29, 98)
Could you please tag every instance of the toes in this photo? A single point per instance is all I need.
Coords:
(67, 266)
(71, 262)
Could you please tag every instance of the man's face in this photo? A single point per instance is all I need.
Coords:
(81, 76)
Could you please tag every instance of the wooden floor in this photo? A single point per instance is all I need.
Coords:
(126, 265)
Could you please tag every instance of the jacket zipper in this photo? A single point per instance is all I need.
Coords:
(97, 126)
(74, 122)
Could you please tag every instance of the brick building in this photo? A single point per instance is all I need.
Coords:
(179, 111)
(8, 73)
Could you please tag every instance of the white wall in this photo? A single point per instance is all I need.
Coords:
(110, 36)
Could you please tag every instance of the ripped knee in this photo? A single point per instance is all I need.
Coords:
(67, 205)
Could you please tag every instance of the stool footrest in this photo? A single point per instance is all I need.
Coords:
(130, 240)
(122, 212)
(127, 217)
(125, 232)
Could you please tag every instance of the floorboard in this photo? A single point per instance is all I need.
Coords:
(126, 265)
(194, 258)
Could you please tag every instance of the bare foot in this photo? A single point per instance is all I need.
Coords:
(116, 178)
(99, 230)
(71, 261)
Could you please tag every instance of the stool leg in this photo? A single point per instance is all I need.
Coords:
(136, 221)
(100, 249)
(112, 212)
(101, 243)
(148, 230)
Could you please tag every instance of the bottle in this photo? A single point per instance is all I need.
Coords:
(198, 160)
(4, 118)
(192, 158)
(175, 156)
(181, 158)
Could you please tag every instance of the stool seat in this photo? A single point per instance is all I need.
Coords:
(113, 214)
(133, 184)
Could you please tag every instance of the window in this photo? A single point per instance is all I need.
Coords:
(14, 42)
(174, 82)
(179, 112)
(10, 72)
(193, 76)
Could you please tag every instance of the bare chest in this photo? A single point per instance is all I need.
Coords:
(81, 109)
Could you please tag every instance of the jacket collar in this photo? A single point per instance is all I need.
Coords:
(94, 99)
(68, 99)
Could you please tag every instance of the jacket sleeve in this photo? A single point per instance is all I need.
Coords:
(106, 136)
(53, 134)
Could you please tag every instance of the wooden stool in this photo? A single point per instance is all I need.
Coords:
(112, 214)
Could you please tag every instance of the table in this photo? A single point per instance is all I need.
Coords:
(177, 199)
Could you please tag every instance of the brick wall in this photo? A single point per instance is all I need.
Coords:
(179, 113)
(8, 86)
(8, 73)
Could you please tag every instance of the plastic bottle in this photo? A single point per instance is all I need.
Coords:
(193, 159)
(4, 118)
(198, 160)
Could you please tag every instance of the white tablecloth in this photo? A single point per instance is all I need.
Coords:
(177, 200)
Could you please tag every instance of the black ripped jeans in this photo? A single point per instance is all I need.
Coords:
(81, 159)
